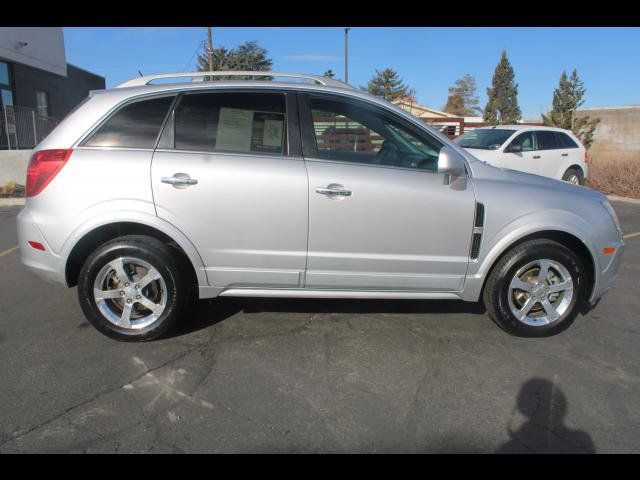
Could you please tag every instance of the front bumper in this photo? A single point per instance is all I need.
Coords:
(607, 277)
(44, 263)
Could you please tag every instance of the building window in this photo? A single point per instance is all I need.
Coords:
(6, 93)
(42, 103)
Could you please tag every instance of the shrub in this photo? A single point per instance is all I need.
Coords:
(11, 189)
(615, 177)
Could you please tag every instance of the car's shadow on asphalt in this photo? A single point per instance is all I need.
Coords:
(205, 313)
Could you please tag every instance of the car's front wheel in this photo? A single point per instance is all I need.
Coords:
(131, 288)
(536, 288)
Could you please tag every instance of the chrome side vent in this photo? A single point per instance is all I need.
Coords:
(476, 238)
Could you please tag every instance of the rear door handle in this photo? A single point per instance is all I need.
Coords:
(179, 180)
(333, 190)
(565, 154)
(536, 156)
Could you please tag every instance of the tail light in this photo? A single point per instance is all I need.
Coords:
(586, 157)
(43, 167)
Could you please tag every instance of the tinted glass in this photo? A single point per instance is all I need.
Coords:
(134, 126)
(484, 138)
(546, 140)
(526, 140)
(348, 132)
(231, 122)
(565, 141)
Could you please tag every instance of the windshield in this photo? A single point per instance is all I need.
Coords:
(484, 138)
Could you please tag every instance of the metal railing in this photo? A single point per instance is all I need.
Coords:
(23, 128)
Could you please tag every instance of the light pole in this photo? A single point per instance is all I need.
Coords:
(210, 48)
(346, 54)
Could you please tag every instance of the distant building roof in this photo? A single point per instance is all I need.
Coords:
(420, 111)
(623, 107)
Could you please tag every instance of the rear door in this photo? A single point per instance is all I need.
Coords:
(547, 158)
(228, 173)
(380, 216)
(570, 153)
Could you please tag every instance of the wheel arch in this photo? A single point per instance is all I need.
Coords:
(567, 239)
(93, 237)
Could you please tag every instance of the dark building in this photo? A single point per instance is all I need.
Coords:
(37, 85)
(49, 94)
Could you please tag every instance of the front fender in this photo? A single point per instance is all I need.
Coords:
(496, 241)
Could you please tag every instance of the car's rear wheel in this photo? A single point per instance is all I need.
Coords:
(573, 175)
(131, 288)
(536, 289)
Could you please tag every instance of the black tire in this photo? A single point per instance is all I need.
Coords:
(161, 258)
(496, 290)
(574, 172)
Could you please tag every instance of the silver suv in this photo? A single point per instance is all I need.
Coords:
(297, 186)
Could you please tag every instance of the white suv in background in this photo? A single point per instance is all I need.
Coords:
(546, 151)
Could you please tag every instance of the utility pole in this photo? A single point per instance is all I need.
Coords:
(346, 54)
(210, 48)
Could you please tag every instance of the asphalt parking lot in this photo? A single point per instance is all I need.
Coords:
(246, 375)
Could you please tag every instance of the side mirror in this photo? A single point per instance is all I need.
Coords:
(513, 149)
(451, 163)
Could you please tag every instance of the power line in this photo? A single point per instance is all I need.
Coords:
(200, 44)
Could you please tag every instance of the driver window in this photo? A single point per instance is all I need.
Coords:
(349, 133)
(526, 140)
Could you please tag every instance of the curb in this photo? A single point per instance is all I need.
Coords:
(10, 202)
(616, 198)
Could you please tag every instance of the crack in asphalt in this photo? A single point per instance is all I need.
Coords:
(15, 435)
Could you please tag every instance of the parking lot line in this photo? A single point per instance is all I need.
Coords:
(631, 235)
(7, 252)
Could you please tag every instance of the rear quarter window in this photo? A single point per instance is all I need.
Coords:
(135, 125)
(565, 141)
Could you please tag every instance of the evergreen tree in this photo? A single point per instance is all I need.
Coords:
(462, 100)
(386, 84)
(329, 74)
(566, 99)
(247, 56)
(502, 105)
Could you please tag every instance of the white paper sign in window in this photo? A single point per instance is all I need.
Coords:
(272, 136)
(234, 129)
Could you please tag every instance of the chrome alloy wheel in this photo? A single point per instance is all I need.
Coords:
(573, 178)
(130, 293)
(540, 292)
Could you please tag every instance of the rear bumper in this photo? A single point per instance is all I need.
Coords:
(43, 263)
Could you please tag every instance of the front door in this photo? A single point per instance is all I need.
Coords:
(380, 216)
(526, 160)
(227, 174)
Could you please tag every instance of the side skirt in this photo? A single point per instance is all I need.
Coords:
(325, 293)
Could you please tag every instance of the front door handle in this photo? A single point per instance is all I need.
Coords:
(333, 190)
(565, 154)
(179, 180)
(536, 156)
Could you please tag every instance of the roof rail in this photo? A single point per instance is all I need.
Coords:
(146, 79)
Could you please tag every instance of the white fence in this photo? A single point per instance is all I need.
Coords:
(23, 128)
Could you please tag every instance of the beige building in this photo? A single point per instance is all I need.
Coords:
(617, 136)
(420, 111)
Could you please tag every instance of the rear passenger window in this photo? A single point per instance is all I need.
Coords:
(546, 140)
(565, 141)
(134, 126)
(229, 122)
